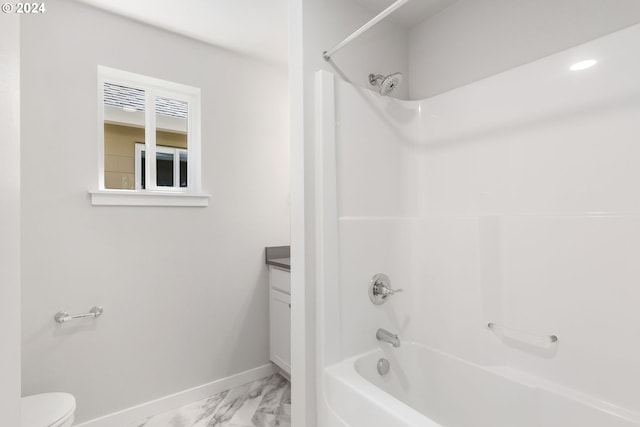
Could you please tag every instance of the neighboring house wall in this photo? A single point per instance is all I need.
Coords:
(120, 152)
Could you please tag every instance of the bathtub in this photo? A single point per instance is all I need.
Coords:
(428, 388)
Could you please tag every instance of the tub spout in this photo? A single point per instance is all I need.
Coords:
(386, 336)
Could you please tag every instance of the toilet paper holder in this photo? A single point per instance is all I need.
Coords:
(63, 316)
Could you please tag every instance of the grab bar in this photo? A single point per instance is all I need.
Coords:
(63, 316)
(549, 338)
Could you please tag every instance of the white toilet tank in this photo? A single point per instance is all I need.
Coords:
(48, 410)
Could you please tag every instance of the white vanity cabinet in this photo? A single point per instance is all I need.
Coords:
(280, 317)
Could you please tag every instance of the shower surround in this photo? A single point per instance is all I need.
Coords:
(512, 200)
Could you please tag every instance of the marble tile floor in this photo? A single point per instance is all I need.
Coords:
(262, 403)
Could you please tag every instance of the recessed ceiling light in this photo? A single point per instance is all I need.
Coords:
(583, 65)
(129, 109)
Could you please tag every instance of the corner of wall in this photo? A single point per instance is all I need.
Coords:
(10, 213)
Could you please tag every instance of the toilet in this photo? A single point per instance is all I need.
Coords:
(48, 410)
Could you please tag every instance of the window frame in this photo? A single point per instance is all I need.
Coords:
(174, 151)
(153, 195)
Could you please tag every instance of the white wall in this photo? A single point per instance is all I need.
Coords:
(184, 289)
(473, 39)
(10, 219)
(517, 203)
(529, 218)
(302, 323)
(377, 178)
(317, 25)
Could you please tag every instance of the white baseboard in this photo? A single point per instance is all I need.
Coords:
(173, 401)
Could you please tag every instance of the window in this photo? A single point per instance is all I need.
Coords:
(149, 142)
(171, 167)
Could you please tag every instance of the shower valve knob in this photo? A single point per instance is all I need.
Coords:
(380, 288)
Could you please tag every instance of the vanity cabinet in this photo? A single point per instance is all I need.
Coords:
(280, 317)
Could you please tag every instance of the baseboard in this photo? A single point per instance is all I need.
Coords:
(282, 372)
(173, 401)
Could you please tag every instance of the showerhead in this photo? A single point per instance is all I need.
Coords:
(387, 84)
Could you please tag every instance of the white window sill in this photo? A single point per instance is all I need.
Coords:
(147, 198)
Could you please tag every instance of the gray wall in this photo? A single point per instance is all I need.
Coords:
(10, 219)
(475, 39)
(184, 289)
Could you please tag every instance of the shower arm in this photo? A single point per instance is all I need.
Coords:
(388, 11)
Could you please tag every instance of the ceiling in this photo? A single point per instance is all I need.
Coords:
(412, 13)
(254, 27)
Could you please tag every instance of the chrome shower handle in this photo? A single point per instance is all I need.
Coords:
(380, 288)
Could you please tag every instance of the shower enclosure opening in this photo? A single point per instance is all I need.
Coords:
(507, 210)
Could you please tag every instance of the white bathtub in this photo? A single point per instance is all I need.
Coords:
(429, 388)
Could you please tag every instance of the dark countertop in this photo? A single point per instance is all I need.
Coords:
(278, 256)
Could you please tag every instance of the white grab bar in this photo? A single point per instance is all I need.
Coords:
(495, 327)
(63, 316)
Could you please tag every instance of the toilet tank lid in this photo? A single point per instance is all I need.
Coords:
(47, 409)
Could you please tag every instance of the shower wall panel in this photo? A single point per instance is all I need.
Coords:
(376, 177)
(471, 40)
(528, 190)
(512, 200)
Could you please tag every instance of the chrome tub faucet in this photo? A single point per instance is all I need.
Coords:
(386, 336)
